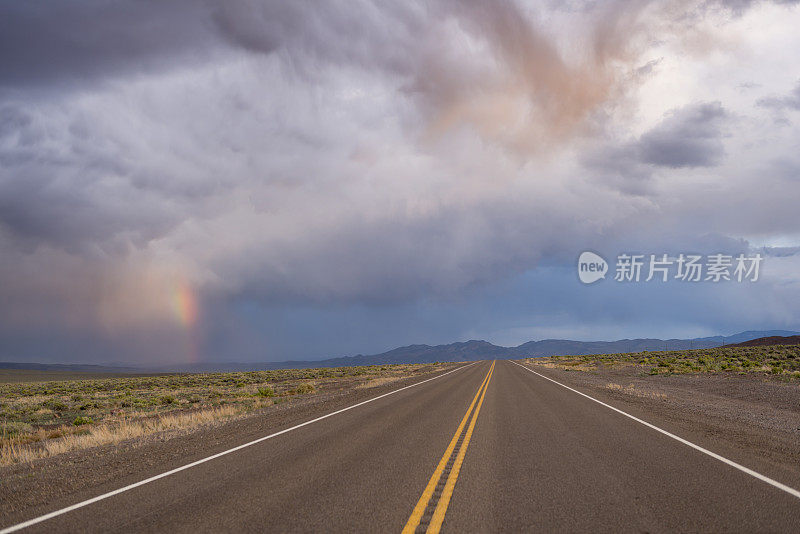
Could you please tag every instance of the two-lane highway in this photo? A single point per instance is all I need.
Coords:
(547, 459)
(488, 447)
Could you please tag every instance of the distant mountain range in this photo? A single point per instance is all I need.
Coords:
(467, 351)
(454, 352)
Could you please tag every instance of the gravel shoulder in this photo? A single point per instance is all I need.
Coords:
(751, 418)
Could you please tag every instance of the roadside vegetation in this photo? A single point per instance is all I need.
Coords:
(782, 361)
(39, 419)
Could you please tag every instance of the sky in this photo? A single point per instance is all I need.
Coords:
(197, 180)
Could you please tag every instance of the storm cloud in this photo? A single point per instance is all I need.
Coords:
(687, 137)
(365, 158)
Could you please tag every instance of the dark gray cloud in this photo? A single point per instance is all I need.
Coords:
(740, 6)
(383, 35)
(786, 102)
(48, 45)
(43, 43)
(688, 137)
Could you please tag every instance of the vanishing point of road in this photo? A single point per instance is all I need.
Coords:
(486, 447)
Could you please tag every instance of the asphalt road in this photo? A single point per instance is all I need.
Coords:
(487, 448)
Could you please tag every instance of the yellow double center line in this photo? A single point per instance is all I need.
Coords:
(429, 512)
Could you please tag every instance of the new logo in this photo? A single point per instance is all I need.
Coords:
(591, 267)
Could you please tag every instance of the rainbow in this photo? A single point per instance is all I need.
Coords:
(186, 310)
(184, 305)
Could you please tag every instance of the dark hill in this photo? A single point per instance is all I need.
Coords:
(770, 340)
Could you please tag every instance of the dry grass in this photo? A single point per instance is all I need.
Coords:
(42, 419)
(780, 361)
(567, 366)
(375, 382)
(16, 452)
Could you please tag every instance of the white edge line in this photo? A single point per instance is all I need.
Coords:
(763, 478)
(93, 500)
